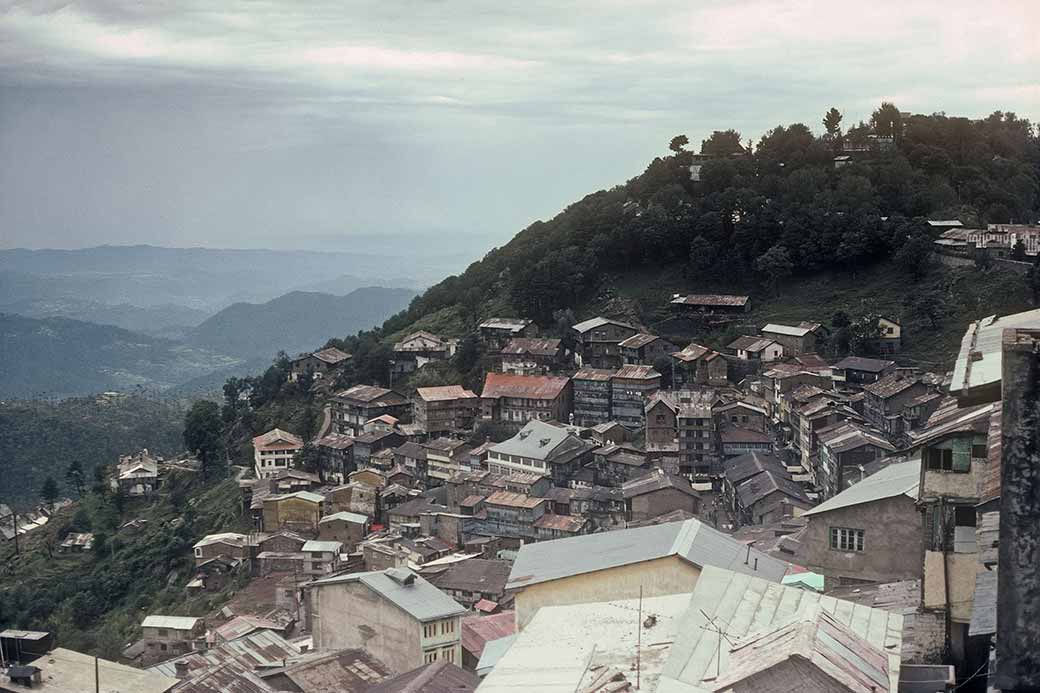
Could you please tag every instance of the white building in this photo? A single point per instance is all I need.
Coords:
(274, 451)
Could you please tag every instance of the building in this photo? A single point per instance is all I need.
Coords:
(630, 388)
(321, 557)
(368, 445)
(68, 671)
(419, 348)
(656, 494)
(437, 677)
(795, 339)
(445, 457)
(299, 511)
(749, 413)
(710, 304)
(479, 631)
(645, 349)
(616, 464)
(598, 342)
(445, 409)
(274, 451)
(513, 400)
(735, 441)
(657, 559)
(228, 544)
(473, 579)
(858, 370)
(169, 636)
(698, 436)
(337, 451)
(698, 365)
(813, 417)
(396, 616)
(592, 394)
(884, 401)
(531, 356)
(137, 475)
(352, 407)
(496, 332)
(759, 491)
(345, 527)
(977, 371)
(734, 632)
(762, 349)
(318, 363)
(662, 426)
(870, 532)
(543, 449)
(890, 336)
(844, 450)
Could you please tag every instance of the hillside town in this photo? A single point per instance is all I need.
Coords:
(617, 511)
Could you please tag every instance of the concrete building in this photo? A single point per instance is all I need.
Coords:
(698, 365)
(630, 388)
(445, 409)
(419, 348)
(598, 341)
(542, 449)
(319, 363)
(884, 401)
(761, 349)
(662, 426)
(658, 493)
(353, 407)
(274, 451)
(645, 349)
(169, 636)
(592, 396)
(528, 356)
(513, 400)
(844, 451)
(658, 559)
(299, 511)
(496, 332)
(396, 616)
(229, 544)
(794, 339)
(870, 532)
(698, 441)
(321, 557)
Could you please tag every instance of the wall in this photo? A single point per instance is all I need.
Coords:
(350, 615)
(962, 568)
(670, 575)
(893, 536)
(656, 503)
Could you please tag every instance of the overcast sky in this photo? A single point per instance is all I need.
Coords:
(281, 123)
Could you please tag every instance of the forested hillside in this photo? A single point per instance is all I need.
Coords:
(40, 439)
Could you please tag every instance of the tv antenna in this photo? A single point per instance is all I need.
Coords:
(720, 633)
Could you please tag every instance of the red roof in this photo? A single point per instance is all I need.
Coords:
(477, 631)
(530, 386)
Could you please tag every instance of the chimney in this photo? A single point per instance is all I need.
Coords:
(180, 669)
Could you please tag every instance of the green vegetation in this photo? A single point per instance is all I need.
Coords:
(42, 439)
(95, 601)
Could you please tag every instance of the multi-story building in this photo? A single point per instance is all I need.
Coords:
(859, 370)
(761, 349)
(645, 349)
(444, 409)
(844, 451)
(169, 636)
(321, 557)
(592, 394)
(355, 406)
(698, 365)
(444, 458)
(598, 341)
(513, 400)
(662, 426)
(274, 451)
(496, 332)
(630, 388)
(299, 511)
(418, 349)
(530, 356)
(795, 339)
(543, 449)
(320, 364)
(698, 444)
(884, 400)
(396, 616)
(345, 527)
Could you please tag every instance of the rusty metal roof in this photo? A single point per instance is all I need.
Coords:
(638, 341)
(531, 345)
(477, 631)
(711, 300)
(637, 372)
(528, 386)
(444, 393)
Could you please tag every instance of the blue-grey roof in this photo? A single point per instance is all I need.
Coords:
(408, 591)
(536, 440)
(901, 479)
(493, 651)
(691, 540)
(980, 357)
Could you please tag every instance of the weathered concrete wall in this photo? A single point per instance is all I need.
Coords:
(650, 505)
(670, 575)
(962, 568)
(350, 615)
(892, 541)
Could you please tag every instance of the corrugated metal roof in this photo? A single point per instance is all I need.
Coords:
(277, 435)
(637, 372)
(860, 363)
(788, 330)
(443, 393)
(901, 479)
(529, 386)
(531, 345)
(593, 323)
(750, 343)
(590, 373)
(711, 300)
(171, 622)
(323, 546)
(420, 599)
(536, 440)
(492, 652)
(638, 341)
(749, 607)
(346, 516)
(511, 324)
(692, 540)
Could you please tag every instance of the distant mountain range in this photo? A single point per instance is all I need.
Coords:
(61, 357)
(168, 320)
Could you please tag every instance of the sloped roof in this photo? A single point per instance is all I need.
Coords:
(590, 373)
(371, 394)
(346, 516)
(746, 466)
(637, 372)
(536, 440)
(563, 523)
(439, 677)
(848, 436)
(308, 496)
(690, 540)
(403, 588)
(345, 671)
(511, 324)
(949, 419)
(477, 631)
(475, 575)
(787, 330)
(277, 435)
(528, 386)
(171, 622)
(331, 355)
(979, 361)
(531, 345)
(593, 323)
(711, 300)
(761, 485)
(750, 343)
(891, 385)
(656, 481)
(444, 393)
(420, 341)
(638, 340)
(336, 441)
(694, 352)
(900, 479)
(861, 363)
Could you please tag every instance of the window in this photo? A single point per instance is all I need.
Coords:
(449, 654)
(978, 452)
(430, 657)
(964, 516)
(945, 460)
(163, 633)
(429, 630)
(844, 539)
(198, 553)
(447, 627)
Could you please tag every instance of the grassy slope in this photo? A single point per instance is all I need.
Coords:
(94, 602)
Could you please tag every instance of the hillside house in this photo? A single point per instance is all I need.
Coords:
(645, 349)
(759, 491)
(552, 526)
(170, 636)
(795, 339)
(630, 387)
(657, 560)
(321, 557)
(346, 527)
(658, 493)
(495, 333)
(299, 511)
(274, 451)
(761, 349)
(609, 432)
(352, 407)
(858, 370)
(228, 544)
(698, 439)
(513, 400)
(445, 457)
(318, 363)
(592, 394)
(419, 348)
(369, 444)
(445, 409)
(509, 514)
(531, 356)
(870, 532)
(542, 449)
(698, 365)
(137, 475)
(844, 450)
(890, 336)
(472, 580)
(662, 425)
(884, 401)
(708, 304)
(598, 342)
(355, 497)
(337, 452)
(411, 456)
(748, 413)
(396, 616)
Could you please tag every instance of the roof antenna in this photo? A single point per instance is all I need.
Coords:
(720, 634)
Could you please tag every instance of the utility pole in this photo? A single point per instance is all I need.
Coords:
(14, 521)
(97, 676)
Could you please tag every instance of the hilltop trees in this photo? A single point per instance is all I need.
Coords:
(203, 434)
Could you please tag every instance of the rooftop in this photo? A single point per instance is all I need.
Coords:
(590, 373)
(593, 323)
(405, 589)
(171, 622)
(527, 386)
(787, 330)
(711, 300)
(750, 343)
(370, 394)
(656, 481)
(68, 671)
(891, 385)
(536, 440)
(690, 540)
(860, 363)
(277, 436)
(900, 479)
(444, 393)
(511, 324)
(694, 352)
(531, 345)
(638, 341)
(346, 516)
(637, 372)
(475, 575)
(439, 677)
